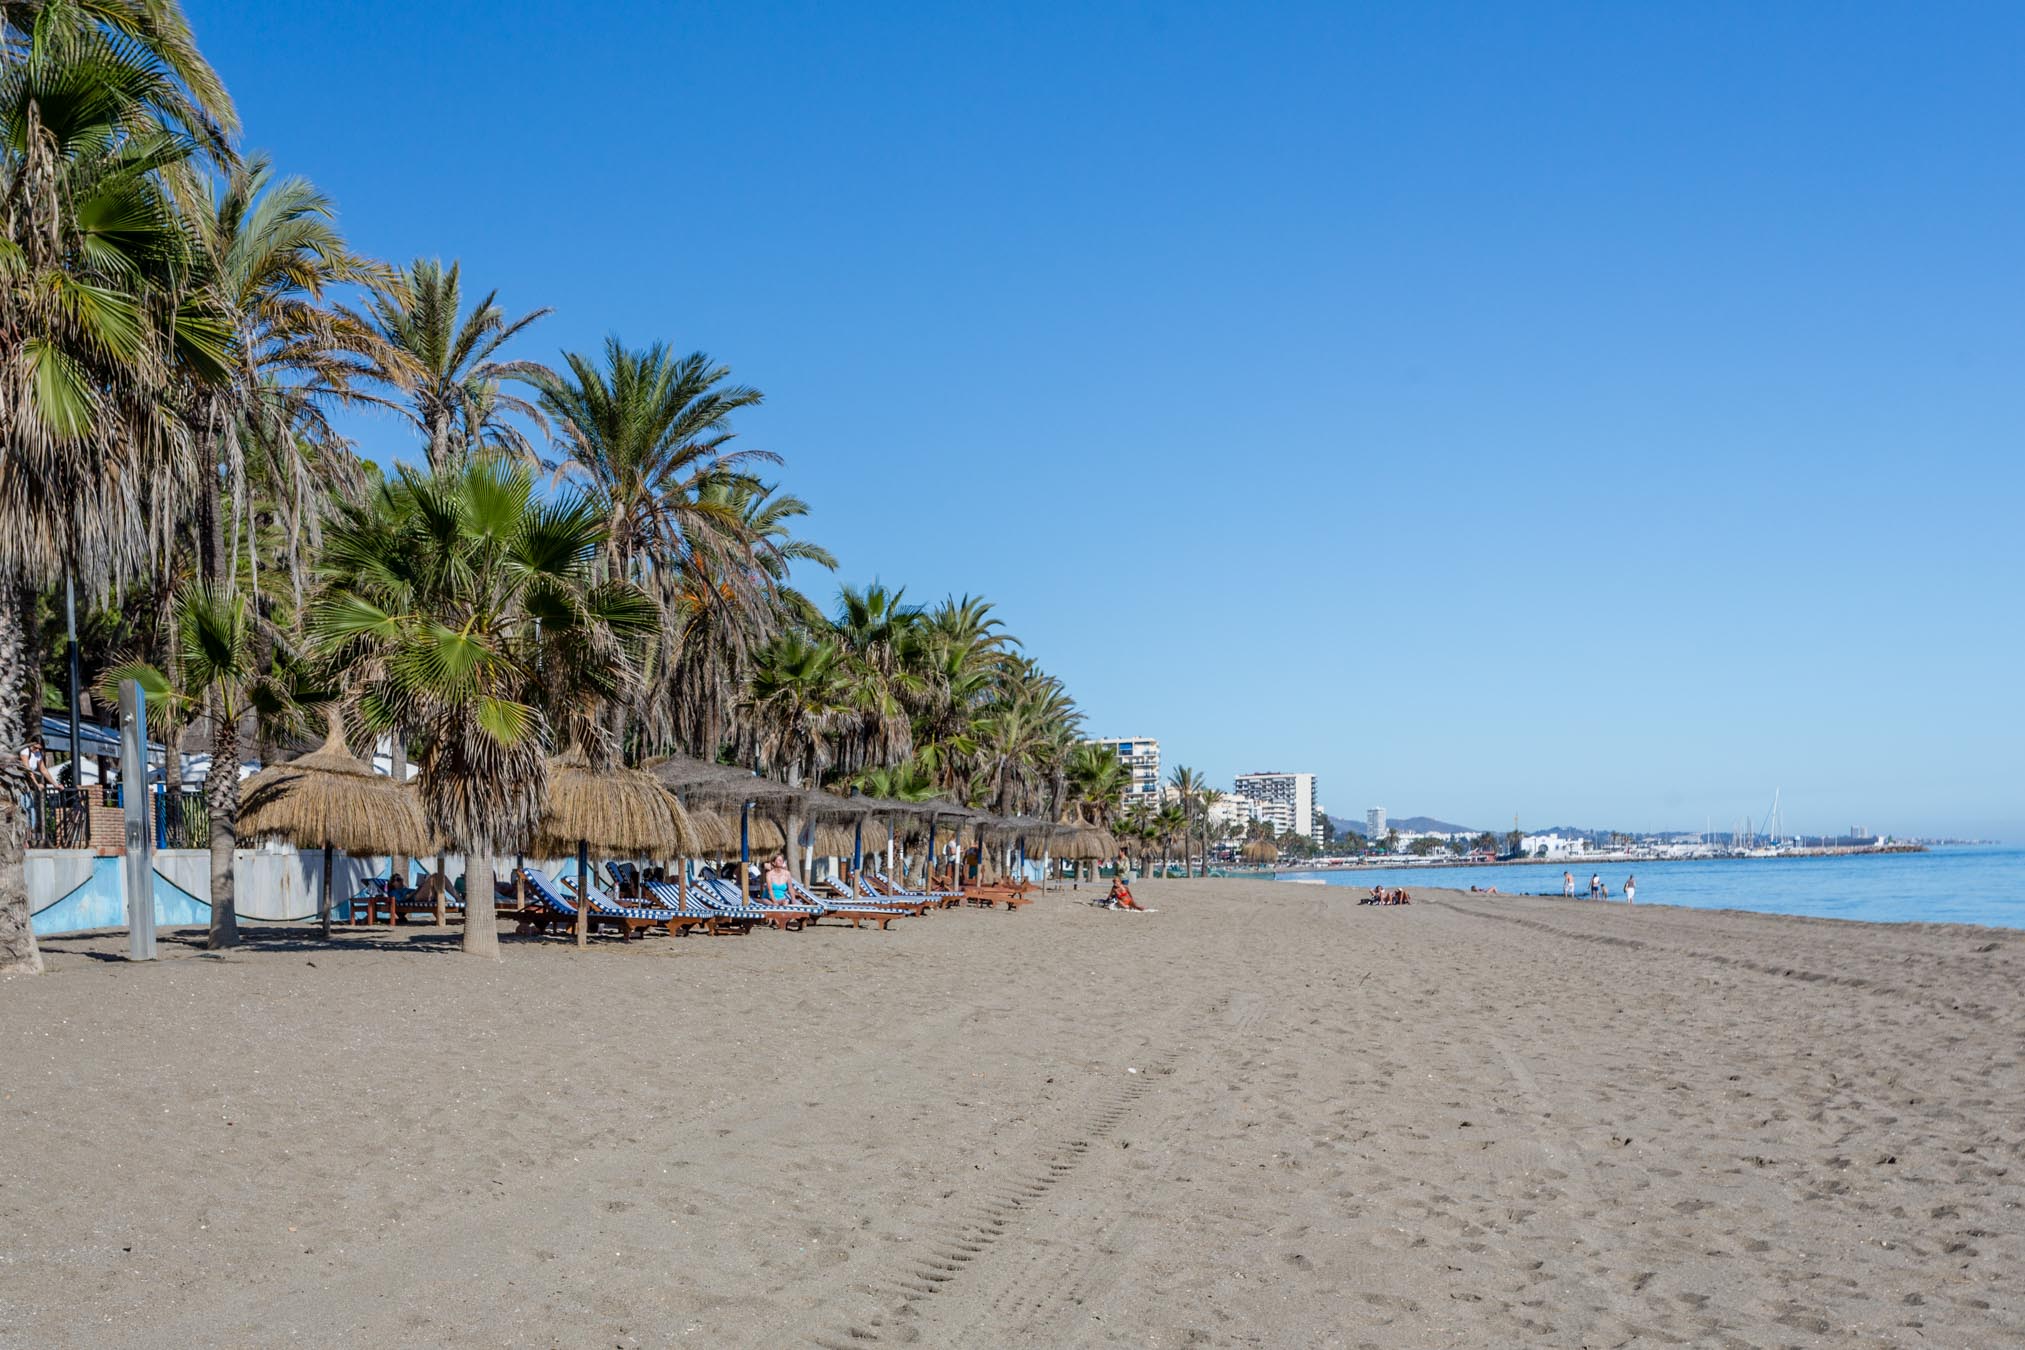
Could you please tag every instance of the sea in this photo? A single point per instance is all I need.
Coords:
(1984, 885)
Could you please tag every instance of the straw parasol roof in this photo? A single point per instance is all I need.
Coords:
(720, 785)
(327, 799)
(713, 835)
(1082, 841)
(1261, 851)
(624, 810)
(835, 840)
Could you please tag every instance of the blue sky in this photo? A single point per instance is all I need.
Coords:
(1595, 413)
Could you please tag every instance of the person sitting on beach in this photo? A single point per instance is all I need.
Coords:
(1400, 897)
(1377, 896)
(777, 877)
(1121, 897)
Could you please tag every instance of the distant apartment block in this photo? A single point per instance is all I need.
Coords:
(1141, 757)
(1285, 799)
(1374, 823)
(1231, 813)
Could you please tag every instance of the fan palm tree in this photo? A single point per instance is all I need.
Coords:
(468, 613)
(446, 363)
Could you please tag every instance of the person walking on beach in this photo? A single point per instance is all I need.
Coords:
(1568, 885)
(1631, 890)
(1595, 884)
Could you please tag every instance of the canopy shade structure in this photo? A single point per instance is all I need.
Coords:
(1261, 851)
(623, 811)
(834, 840)
(715, 836)
(719, 785)
(1080, 842)
(327, 799)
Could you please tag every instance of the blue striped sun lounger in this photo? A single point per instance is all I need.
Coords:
(725, 897)
(727, 919)
(602, 908)
(854, 911)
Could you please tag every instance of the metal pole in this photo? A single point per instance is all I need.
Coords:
(857, 853)
(76, 679)
(139, 863)
(928, 866)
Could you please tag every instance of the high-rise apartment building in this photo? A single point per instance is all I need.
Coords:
(1141, 757)
(1285, 799)
(1374, 823)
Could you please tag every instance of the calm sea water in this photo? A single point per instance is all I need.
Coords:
(1947, 885)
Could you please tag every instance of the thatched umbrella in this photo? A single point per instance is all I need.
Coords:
(327, 799)
(729, 788)
(623, 810)
(1262, 851)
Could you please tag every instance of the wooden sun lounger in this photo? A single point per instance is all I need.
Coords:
(852, 910)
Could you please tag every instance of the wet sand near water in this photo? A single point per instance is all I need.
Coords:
(1262, 1116)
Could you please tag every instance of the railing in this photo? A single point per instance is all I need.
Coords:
(61, 817)
(182, 821)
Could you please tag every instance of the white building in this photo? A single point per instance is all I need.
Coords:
(1141, 756)
(1285, 799)
(1231, 813)
(1551, 846)
(1374, 824)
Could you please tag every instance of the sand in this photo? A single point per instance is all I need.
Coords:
(1262, 1116)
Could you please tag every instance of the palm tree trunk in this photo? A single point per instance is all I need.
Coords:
(481, 923)
(18, 953)
(221, 798)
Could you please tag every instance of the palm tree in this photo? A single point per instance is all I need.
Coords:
(1171, 821)
(273, 252)
(99, 104)
(647, 434)
(214, 669)
(1097, 779)
(794, 701)
(467, 612)
(1206, 800)
(446, 363)
(879, 633)
(1186, 783)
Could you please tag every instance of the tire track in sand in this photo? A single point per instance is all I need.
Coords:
(1055, 1274)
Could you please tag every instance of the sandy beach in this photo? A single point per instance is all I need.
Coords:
(1261, 1116)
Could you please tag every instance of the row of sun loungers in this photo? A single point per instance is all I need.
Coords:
(713, 905)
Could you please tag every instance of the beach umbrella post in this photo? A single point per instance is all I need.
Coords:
(745, 849)
(857, 852)
(583, 893)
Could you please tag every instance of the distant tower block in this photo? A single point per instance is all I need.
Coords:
(1374, 823)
